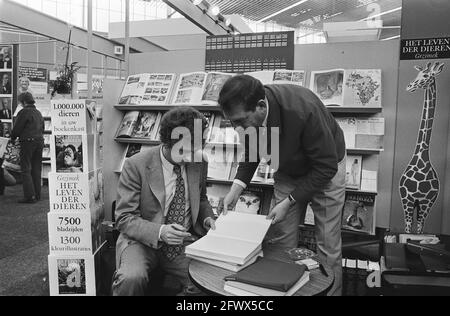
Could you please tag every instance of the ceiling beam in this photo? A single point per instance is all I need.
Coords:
(25, 18)
(196, 15)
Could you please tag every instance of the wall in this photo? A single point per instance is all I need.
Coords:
(366, 55)
(423, 20)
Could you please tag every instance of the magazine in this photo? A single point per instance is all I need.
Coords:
(128, 124)
(359, 213)
(349, 127)
(3, 146)
(353, 174)
(134, 89)
(73, 153)
(295, 77)
(158, 89)
(11, 158)
(200, 88)
(362, 87)
(328, 86)
(147, 126)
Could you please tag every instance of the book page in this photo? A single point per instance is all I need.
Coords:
(295, 77)
(214, 84)
(189, 90)
(134, 89)
(158, 89)
(362, 87)
(327, 85)
(242, 226)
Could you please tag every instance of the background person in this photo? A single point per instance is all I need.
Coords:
(29, 128)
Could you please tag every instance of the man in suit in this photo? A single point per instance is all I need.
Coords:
(5, 87)
(161, 207)
(5, 58)
(311, 165)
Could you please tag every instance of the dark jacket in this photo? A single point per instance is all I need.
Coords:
(311, 141)
(29, 124)
(6, 89)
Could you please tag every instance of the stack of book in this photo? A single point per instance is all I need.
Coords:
(268, 277)
(235, 243)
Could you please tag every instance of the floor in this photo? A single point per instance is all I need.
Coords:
(23, 245)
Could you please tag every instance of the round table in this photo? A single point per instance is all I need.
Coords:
(210, 279)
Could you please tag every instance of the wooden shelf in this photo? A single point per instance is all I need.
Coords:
(164, 107)
(354, 110)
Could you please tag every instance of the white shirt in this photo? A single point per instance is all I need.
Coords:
(170, 180)
(264, 124)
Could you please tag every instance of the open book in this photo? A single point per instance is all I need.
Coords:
(237, 238)
(199, 88)
(295, 77)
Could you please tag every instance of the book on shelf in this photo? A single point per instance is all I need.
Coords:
(134, 89)
(369, 180)
(147, 125)
(226, 265)
(46, 152)
(11, 157)
(238, 238)
(353, 172)
(220, 162)
(72, 117)
(223, 132)
(3, 145)
(362, 88)
(158, 89)
(295, 77)
(309, 216)
(48, 125)
(199, 88)
(250, 201)
(348, 87)
(369, 141)
(264, 173)
(328, 85)
(72, 275)
(359, 212)
(268, 277)
(348, 126)
(210, 118)
(132, 149)
(128, 124)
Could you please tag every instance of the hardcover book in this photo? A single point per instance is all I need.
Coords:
(237, 238)
(353, 172)
(359, 213)
(225, 265)
(268, 277)
(72, 275)
(72, 117)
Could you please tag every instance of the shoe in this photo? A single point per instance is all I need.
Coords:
(28, 201)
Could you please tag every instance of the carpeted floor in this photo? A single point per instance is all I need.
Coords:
(23, 245)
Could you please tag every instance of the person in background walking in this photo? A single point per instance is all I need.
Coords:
(29, 128)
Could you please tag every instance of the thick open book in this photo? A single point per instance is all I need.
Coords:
(237, 238)
(225, 265)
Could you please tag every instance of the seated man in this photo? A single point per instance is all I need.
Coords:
(161, 206)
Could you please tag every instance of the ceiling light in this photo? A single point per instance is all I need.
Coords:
(215, 10)
(227, 22)
(381, 14)
(282, 10)
(197, 2)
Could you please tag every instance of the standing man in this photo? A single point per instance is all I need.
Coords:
(311, 162)
(161, 206)
(29, 128)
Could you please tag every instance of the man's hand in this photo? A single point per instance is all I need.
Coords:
(210, 224)
(229, 202)
(279, 212)
(174, 234)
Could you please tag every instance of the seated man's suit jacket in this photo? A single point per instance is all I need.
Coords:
(141, 198)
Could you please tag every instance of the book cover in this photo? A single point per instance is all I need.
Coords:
(295, 77)
(269, 274)
(11, 158)
(353, 172)
(362, 88)
(359, 213)
(74, 153)
(223, 132)
(349, 127)
(189, 89)
(250, 201)
(220, 161)
(369, 180)
(133, 149)
(370, 126)
(46, 153)
(147, 125)
(237, 238)
(134, 89)
(328, 86)
(128, 124)
(213, 85)
(3, 145)
(158, 89)
(6, 108)
(225, 265)
(71, 275)
(369, 141)
(70, 233)
(72, 117)
(5, 128)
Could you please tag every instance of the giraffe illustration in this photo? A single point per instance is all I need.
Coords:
(419, 184)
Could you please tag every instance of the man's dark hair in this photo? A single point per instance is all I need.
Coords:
(180, 117)
(241, 90)
(26, 98)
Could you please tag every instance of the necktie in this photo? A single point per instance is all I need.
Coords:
(176, 213)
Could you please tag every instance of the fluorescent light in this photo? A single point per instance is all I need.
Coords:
(197, 2)
(391, 38)
(283, 10)
(227, 22)
(215, 10)
(380, 14)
